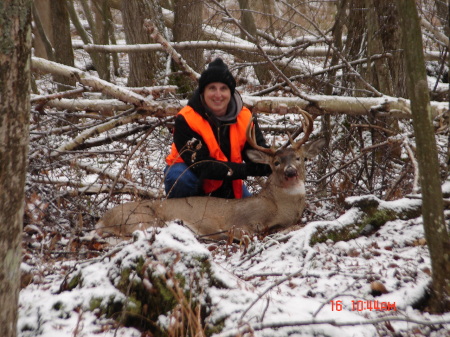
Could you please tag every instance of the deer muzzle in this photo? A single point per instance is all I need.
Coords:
(290, 172)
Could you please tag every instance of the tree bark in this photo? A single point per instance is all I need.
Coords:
(433, 215)
(101, 34)
(62, 41)
(188, 27)
(42, 31)
(372, 30)
(15, 52)
(262, 71)
(145, 68)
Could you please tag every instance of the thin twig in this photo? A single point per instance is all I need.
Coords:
(369, 148)
(149, 131)
(415, 165)
(264, 54)
(371, 126)
(333, 322)
(276, 284)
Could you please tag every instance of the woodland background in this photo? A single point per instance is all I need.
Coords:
(340, 60)
(108, 77)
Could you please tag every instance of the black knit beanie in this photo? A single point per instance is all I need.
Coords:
(217, 71)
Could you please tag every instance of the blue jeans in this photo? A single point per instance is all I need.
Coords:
(180, 182)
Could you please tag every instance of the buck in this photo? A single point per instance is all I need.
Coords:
(279, 204)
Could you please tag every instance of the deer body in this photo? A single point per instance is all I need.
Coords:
(279, 205)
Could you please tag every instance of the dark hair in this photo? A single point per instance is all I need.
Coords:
(217, 71)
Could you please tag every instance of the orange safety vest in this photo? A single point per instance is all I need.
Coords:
(237, 140)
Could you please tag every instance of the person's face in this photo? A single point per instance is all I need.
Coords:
(217, 95)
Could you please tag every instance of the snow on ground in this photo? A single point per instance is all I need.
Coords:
(281, 280)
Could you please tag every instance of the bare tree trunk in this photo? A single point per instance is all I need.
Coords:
(337, 32)
(145, 68)
(378, 70)
(269, 9)
(43, 32)
(101, 34)
(353, 45)
(188, 27)
(15, 51)
(248, 23)
(394, 81)
(373, 29)
(436, 233)
(62, 41)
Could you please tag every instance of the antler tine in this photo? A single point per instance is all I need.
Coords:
(307, 125)
(251, 139)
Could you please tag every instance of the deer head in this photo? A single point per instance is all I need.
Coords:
(287, 163)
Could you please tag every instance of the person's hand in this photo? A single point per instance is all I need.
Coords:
(257, 170)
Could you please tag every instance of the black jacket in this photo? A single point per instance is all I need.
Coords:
(199, 159)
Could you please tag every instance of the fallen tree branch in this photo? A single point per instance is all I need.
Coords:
(277, 325)
(80, 104)
(115, 137)
(149, 131)
(363, 153)
(42, 99)
(275, 284)
(85, 78)
(371, 126)
(147, 192)
(440, 36)
(94, 189)
(230, 46)
(95, 130)
(188, 45)
(385, 106)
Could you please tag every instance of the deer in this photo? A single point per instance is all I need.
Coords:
(278, 205)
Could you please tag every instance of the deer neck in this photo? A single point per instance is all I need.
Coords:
(288, 189)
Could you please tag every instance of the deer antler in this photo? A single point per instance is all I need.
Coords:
(251, 139)
(307, 125)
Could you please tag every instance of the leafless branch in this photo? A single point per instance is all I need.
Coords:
(277, 325)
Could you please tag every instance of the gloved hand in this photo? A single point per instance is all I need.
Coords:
(258, 170)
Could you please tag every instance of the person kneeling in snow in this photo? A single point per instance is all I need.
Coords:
(209, 141)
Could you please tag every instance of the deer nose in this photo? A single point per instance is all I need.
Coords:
(290, 171)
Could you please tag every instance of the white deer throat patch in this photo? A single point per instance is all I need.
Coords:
(297, 189)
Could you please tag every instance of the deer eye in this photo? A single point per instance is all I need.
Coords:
(277, 163)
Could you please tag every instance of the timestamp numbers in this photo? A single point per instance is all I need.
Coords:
(360, 305)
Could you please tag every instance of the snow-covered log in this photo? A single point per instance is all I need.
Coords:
(82, 104)
(386, 106)
(379, 106)
(84, 78)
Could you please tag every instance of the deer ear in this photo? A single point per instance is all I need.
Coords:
(312, 149)
(258, 156)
